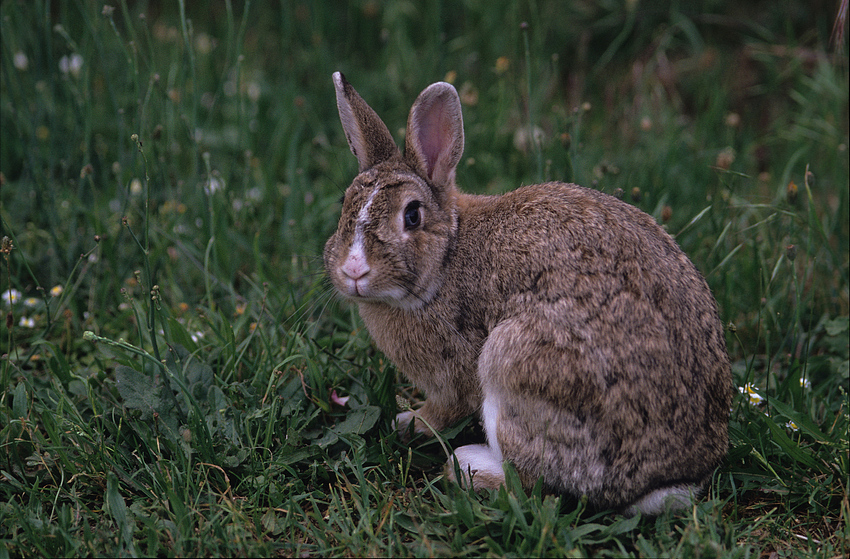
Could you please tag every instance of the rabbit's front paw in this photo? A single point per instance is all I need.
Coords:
(479, 465)
(402, 422)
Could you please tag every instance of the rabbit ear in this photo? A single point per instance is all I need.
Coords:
(367, 135)
(434, 141)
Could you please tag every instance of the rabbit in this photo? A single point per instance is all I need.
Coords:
(569, 320)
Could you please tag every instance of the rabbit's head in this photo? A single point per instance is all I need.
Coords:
(399, 216)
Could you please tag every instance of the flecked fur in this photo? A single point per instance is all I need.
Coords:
(597, 341)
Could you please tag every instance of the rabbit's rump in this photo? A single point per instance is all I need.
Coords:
(587, 422)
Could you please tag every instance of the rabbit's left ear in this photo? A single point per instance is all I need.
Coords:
(434, 141)
(368, 137)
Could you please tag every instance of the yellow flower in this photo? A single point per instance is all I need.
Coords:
(752, 396)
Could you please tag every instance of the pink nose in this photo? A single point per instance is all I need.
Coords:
(355, 267)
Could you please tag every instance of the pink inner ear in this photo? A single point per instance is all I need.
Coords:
(433, 130)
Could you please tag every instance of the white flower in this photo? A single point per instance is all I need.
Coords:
(254, 194)
(213, 185)
(27, 322)
(11, 296)
(254, 91)
(204, 43)
(793, 426)
(805, 383)
(197, 336)
(30, 302)
(753, 396)
(71, 64)
(20, 61)
(56, 290)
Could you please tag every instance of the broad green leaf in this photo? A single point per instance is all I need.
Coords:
(837, 326)
(790, 447)
(19, 401)
(179, 335)
(801, 420)
(330, 437)
(302, 454)
(585, 529)
(117, 508)
(358, 421)
(139, 391)
(624, 525)
(114, 502)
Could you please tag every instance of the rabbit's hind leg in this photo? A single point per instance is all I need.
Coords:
(479, 466)
(674, 497)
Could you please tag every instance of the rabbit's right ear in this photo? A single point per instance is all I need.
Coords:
(434, 142)
(368, 137)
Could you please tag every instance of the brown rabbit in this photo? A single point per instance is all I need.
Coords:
(569, 320)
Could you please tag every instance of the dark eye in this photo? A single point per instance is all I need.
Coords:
(412, 215)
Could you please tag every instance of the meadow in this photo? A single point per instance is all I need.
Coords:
(177, 376)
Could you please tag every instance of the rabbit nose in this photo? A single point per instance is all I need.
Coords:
(355, 266)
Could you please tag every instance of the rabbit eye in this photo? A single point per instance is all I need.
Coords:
(412, 215)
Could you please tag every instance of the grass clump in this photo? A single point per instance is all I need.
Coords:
(178, 379)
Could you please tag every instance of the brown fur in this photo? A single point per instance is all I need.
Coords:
(587, 326)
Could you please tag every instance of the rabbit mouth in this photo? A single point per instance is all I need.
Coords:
(357, 288)
(363, 290)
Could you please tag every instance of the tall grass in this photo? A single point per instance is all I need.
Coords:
(178, 378)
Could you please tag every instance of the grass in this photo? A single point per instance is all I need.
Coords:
(177, 378)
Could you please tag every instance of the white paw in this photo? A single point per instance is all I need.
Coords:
(402, 421)
(677, 497)
(479, 465)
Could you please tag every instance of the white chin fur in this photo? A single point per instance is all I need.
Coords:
(677, 497)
